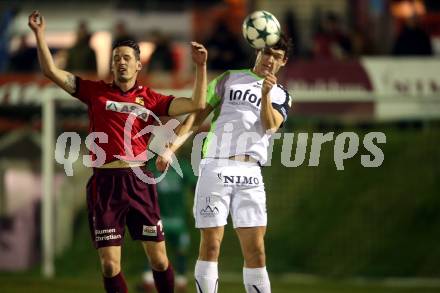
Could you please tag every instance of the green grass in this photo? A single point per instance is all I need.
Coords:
(13, 283)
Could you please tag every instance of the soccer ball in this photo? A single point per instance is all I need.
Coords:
(261, 29)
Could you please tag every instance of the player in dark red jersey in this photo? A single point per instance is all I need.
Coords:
(116, 197)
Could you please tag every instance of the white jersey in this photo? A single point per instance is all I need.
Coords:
(236, 128)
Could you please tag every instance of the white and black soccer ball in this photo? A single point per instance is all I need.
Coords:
(261, 29)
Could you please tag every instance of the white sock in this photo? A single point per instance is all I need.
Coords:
(256, 280)
(206, 274)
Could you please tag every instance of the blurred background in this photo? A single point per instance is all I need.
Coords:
(357, 65)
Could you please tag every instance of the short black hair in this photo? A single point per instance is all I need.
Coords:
(129, 43)
(284, 44)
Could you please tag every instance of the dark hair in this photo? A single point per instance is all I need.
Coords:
(129, 43)
(284, 44)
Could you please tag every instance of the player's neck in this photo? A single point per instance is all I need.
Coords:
(258, 72)
(125, 85)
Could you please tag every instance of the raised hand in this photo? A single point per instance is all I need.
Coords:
(199, 53)
(36, 22)
(269, 81)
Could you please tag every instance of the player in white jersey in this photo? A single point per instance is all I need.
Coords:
(249, 106)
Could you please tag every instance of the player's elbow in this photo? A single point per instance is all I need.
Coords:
(50, 75)
(48, 72)
(198, 106)
(201, 106)
(270, 128)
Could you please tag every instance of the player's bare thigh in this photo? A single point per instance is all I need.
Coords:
(252, 246)
(210, 242)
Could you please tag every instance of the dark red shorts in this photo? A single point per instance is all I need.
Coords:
(117, 197)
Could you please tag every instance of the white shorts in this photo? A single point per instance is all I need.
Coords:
(229, 186)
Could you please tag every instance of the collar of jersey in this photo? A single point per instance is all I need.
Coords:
(254, 74)
(247, 71)
(134, 87)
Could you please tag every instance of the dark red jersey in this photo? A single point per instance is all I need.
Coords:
(109, 108)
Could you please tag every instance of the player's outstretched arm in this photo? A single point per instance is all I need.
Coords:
(198, 102)
(270, 118)
(62, 78)
(183, 132)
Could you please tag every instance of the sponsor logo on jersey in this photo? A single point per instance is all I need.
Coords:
(244, 97)
(128, 108)
(106, 234)
(139, 100)
(238, 180)
(257, 85)
(149, 230)
(210, 210)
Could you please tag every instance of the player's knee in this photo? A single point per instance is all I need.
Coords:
(210, 250)
(110, 267)
(255, 257)
(159, 263)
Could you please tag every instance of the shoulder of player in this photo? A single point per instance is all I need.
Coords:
(99, 82)
(234, 74)
(241, 72)
(282, 88)
(150, 93)
(148, 90)
(87, 84)
(223, 76)
(96, 84)
(102, 83)
(282, 92)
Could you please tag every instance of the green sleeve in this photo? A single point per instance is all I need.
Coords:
(215, 90)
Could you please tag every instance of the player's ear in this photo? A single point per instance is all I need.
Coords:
(138, 65)
(284, 62)
(258, 54)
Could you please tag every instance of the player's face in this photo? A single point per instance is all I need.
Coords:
(125, 67)
(269, 61)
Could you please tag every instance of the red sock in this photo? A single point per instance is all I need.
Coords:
(115, 284)
(164, 281)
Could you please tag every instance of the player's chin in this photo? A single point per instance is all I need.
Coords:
(123, 77)
(265, 72)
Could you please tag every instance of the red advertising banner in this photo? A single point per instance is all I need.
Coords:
(327, 75)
